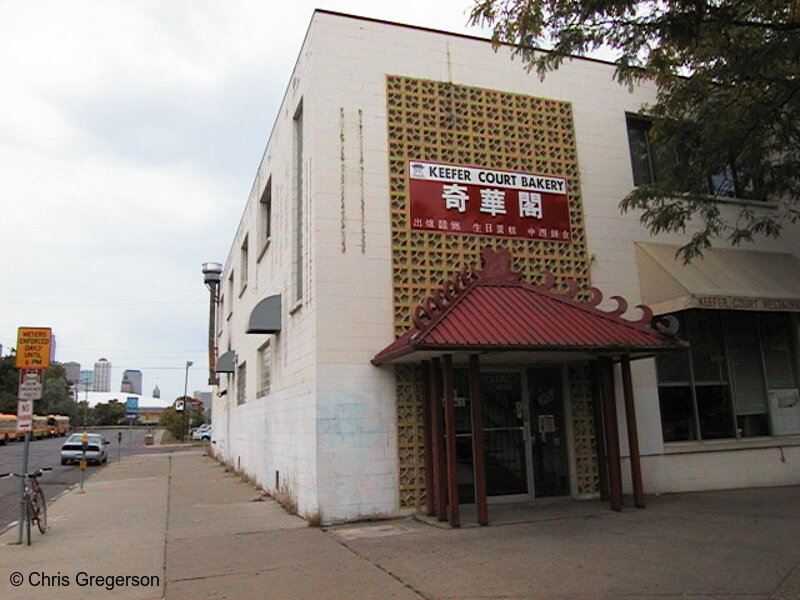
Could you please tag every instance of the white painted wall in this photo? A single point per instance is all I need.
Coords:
(275, 433)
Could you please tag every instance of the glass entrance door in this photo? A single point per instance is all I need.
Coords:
(548, 436)
(524, 436)
(503, 428)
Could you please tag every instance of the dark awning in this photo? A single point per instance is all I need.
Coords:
(227, 362)
(266, 316)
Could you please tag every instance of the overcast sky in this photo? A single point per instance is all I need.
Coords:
(130, 134)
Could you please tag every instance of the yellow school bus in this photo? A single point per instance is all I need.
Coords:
(58, 424)
(40, 428)
(8, 428)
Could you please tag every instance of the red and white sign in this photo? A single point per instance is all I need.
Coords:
(30, 384)
(476, 201)
(24, 415)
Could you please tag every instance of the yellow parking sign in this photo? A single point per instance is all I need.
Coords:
(33, 347)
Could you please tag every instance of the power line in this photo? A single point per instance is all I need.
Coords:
(95, 303)
(127, 351)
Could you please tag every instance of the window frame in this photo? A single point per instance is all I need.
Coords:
(717, 184)
(298, 270)
(244, 260)
(241, 383)
(741, 418)
(264, 369)
(265, 220)
(230, 293)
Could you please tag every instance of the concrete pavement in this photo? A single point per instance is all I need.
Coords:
(188, 529)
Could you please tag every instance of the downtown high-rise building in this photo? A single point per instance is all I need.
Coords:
(86, 381)
(102, 376)
(132, 381)
(73, 372)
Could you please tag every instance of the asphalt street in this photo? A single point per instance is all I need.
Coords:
(46, 453)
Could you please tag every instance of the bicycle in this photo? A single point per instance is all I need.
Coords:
(34, 504)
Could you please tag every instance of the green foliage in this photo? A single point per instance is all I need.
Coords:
(178, 423)
(9, 385)
(728, 80)
(111, 413)
(56, 396)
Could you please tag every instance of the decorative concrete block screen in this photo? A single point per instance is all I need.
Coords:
(442, 122)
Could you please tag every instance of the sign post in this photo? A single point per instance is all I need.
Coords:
(131, 414)
(82, 466)
(33, 357)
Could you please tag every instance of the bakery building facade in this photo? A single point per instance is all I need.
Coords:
(433, 299)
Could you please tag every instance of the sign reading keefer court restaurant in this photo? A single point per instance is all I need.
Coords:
(745, 303)
(475, 201)
(33, 347)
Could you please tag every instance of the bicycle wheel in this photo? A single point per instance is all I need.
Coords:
(28, 518)
(40, 506)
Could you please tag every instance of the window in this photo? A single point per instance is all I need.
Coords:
(645, 158)
(265, 369)
(297, 140)
(241, 383)
(648, 164)
(243, 261)
(720, 386)
(230, 293)
(265, 218)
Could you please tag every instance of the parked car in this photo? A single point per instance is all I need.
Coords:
(72, 450)
(202, 433)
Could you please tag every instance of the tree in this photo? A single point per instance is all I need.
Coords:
(727, 113)
(56, 395)
(9, 384)
(110, 413)
(179, 424)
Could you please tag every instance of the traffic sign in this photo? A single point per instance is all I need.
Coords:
(30, 384)
(179, 405)
(33, 347)
(132, 407)
(25, 415)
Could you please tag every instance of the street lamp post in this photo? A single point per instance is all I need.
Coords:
(186, 404)
(212, 273)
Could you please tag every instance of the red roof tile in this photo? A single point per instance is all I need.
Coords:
(498, 312)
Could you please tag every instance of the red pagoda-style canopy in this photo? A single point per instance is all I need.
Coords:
(493, 310)
(490, 312)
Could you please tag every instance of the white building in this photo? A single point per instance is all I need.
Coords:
(102, 376)
(387, 172)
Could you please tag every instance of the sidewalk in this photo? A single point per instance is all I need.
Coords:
(190, 530)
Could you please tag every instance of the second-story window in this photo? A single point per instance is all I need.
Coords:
(646, 159)
(649, 165)
(243, 266)
(299, 225)
(265, 218)
(230, 293)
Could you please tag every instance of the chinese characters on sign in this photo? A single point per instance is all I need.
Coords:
(470, 200)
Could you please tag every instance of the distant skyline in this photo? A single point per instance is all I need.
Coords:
(130, 135)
